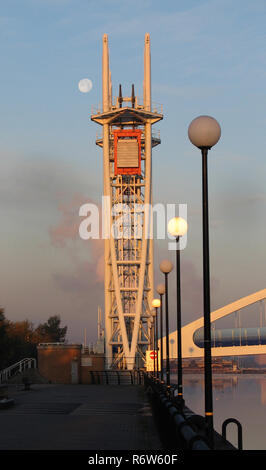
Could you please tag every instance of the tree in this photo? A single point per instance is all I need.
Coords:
(50, 331)
(3, 339)
(19, 340)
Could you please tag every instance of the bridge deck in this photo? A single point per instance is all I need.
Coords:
(83, 417)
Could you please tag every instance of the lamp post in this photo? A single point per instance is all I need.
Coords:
(204, 132)
(161, 290)
(153, 320)
(177, 227)
(166, 267)
(156, 304)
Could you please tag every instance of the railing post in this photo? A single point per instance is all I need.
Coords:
(106, 377)
(239, 431)
(118, 378)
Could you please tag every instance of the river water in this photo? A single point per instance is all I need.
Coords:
(234, 396)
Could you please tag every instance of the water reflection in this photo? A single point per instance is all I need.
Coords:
(236, 396)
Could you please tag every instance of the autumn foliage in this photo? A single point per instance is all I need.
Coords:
(19, 340)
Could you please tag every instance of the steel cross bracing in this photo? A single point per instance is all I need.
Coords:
(128, 252)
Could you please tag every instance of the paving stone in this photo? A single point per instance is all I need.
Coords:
(80, 417)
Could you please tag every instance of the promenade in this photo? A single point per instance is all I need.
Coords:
(78, 417)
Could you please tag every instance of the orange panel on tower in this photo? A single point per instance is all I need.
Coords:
(127, 152)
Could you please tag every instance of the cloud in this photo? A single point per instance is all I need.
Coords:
(192, 292)
(40, 199)
(191, 283)
(82, 278)
(39, 184)
(68, 227)
(85, 273)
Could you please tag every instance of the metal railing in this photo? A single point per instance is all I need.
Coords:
(18, 367)
(156, 135)
(174, 427)
(116, 377)
(239, 431)
(156, 108)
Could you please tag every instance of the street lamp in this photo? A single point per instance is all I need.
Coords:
(204, 132)
(156, 304)
(177, 227)
(161, 290)
(153, 321)
(166, 267)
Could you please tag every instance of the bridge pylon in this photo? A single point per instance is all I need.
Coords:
(127, 143)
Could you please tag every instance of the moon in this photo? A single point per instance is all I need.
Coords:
(85, 85)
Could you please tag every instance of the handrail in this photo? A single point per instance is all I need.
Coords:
(98, 377)
(239, 431)
(20, 366)
(174, 425)
(156, 135)
(118, 377)
(155, 107)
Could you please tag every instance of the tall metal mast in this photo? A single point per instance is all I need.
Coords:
(127, 143)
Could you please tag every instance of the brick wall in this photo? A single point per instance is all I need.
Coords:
(55, 361)
(88, 363)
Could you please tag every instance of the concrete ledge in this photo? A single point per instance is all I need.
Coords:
(59, 346)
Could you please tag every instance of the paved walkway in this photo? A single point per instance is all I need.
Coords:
(80, 417)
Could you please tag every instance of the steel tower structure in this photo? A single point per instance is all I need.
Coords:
(127, 142)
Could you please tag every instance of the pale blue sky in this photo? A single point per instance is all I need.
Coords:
(208, 57)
